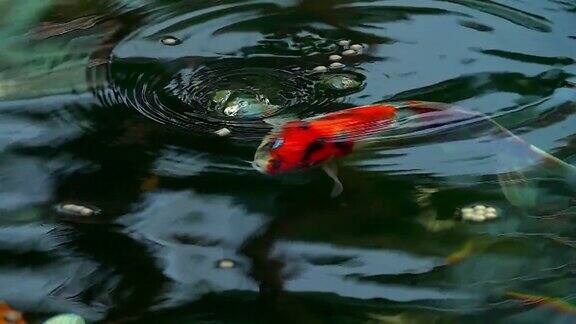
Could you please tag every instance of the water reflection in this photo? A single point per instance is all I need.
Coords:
(89, 93)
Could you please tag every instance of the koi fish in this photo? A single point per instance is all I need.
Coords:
(300, 144)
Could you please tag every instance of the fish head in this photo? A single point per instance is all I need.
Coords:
(284, 150)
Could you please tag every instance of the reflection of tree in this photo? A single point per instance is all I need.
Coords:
(345, 21)
(469, 86)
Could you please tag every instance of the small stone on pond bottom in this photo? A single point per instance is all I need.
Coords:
(226, 264)
(170, 41)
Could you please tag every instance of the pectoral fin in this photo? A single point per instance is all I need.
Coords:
(332, 171)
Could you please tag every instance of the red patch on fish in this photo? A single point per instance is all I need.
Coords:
(304, 143)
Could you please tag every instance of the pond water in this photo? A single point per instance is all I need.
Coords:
(116, 105)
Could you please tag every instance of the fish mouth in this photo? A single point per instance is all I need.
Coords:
(260, 162)
(258, 167)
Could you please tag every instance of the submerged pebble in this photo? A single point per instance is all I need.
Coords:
(336, 65)
(478, 213)
(170, 41)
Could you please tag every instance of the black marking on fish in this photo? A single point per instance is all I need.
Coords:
(344, 147)
(275, 164)
(312, 148)
(342, 137)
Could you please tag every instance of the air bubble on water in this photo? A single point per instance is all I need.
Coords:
(336, 65)
(344, 43)
(349, 52)
(77, 210)
(226, 264)
(170, 41)
(335, 57)
(320, 68)
(222, 132)
(356, 47)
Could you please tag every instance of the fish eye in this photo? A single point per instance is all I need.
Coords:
(277, 143)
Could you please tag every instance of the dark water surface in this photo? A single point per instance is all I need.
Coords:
(96, 109)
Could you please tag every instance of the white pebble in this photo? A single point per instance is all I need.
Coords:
(344, 43)
(226, 264)
(356, 47)
(320, 68)
(336, 65)
(335, 57)
(349, 52)
(223, 132)
(490, 210)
